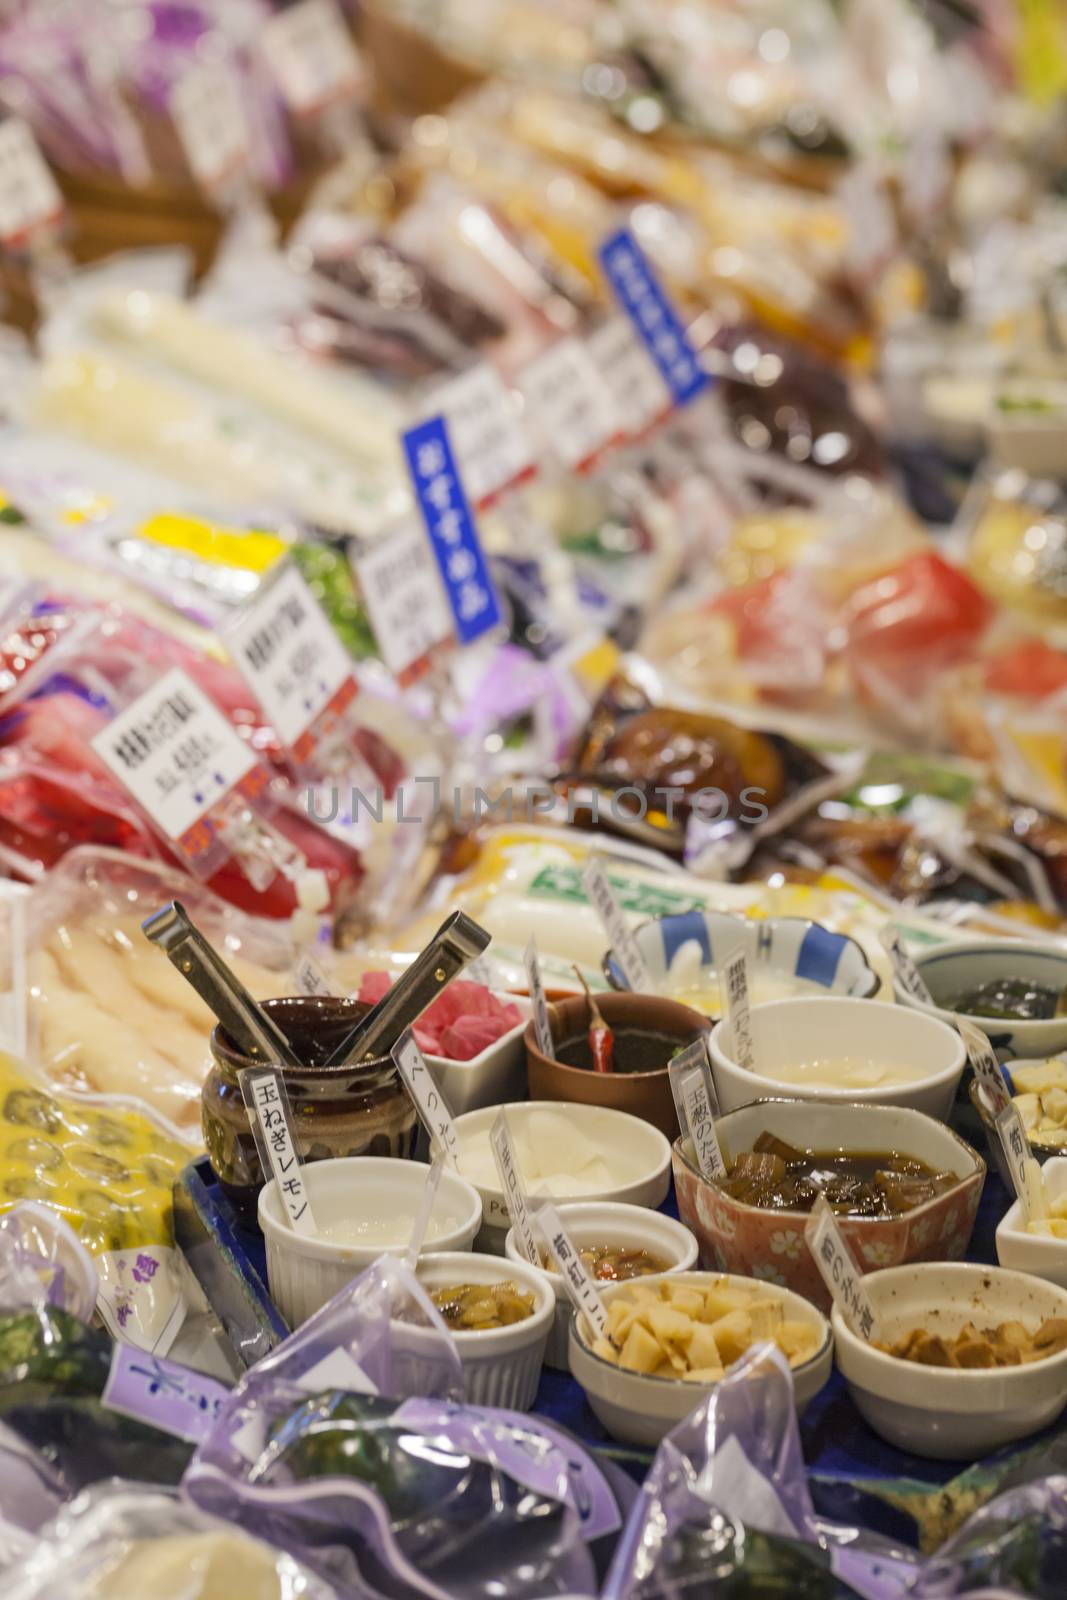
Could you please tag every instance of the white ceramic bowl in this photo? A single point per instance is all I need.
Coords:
(496, 1074)
(1036, 1253)
(937, 1411)
(606, 1222)
(637, 1153)
(501, 1366)
(953, 968)
(787, 1031)
(304, 1272)
(639, 1409)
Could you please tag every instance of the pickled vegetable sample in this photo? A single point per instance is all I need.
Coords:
(477, 1307)
(1009, 1000)
(614, 1263)
(865, 1183)
(1009, 1344)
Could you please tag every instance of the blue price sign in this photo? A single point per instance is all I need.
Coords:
(450, 524)
(655, 320)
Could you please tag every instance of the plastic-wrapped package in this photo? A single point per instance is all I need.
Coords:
(125, 1542)
(349, 1446)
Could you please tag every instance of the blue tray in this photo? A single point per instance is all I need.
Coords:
(854, 1475)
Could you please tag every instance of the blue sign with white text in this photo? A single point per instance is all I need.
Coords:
(654, 318)
(450, 525)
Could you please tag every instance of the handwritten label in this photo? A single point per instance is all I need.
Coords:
(542, 1026)
(29, 196)
(569, 404)
(907, 973)
(653, 317)
(735, 987)
(268, 1106)
(487, 437)
(401, 587)
(309, 977)
(697, 1107)
(290, 657)
(312, 55)
(430, 1103)
(985, 1066)
(635, 383)
(422, 1220)
(163, 1394)
(518, 1204)
(624, 945)
(175, 752)
(839, 1271)
(450, 524)
(1023, 1169)
(207, 111)
(583, 1292)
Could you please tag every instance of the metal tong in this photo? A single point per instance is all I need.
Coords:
(249, 1026)
(457, 942)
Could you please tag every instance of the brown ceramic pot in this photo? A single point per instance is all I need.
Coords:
(647, 1030)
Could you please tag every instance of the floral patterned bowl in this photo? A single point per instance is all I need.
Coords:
(734, 1237)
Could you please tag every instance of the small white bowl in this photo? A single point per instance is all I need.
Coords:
(496, 1075)
(639, 1409)
(501, 1366)
(937, 1411)
(1036, 1253)
(638, 1154)
(606, 1222)
(304, 1272)
(951, 969)
(787, 1031)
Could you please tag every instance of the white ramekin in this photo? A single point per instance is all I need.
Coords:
(304, 1272)
(592, 1222)
(501, 1366)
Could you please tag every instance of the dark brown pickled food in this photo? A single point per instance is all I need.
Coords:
(615, 1263)
(1009, 1000)
(868, 1183)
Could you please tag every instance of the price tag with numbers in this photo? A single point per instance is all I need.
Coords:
(289, 655)
(163, 1394)
(641, 397)
(735, 985)
(697, 1106)
(542, 1026)
(29, 195)
(177, 755)
(263, 1091)
(207, 111)
(401, 588)
(489, 441)
(985, 1066)
(839, 1272)
(430, 1102)
(569, 405)
(518, 1203)
(312, 55)
(652, 316)
(602, 898)
(906, 972)
(583, 1292)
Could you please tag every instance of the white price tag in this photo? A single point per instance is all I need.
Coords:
(430, 1102)
(488, 440)
(288, 654)
(872, 227)
(515, 1195)
(310, 978)
(175, 752)
(735, 986)
(29, 195)
(634, 382)
(569, 404)
(985, 1066)
(425, 1212)
(602, 898)
(583, 1292)
(907, 973)
(839, 1271)
(312, 55)
(542, 1026)
(1025, 1173)
(210, 119)
(697, 1106)
(401, 587)
(264, 1095)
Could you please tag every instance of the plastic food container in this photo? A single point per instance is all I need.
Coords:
(303, 1272)
(501, 1366)
(736, 1237)
(604, 1222)
(337, 1111)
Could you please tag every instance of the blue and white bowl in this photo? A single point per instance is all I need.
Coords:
(777, 948)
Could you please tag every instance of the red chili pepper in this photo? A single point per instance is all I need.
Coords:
(601, 1038)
